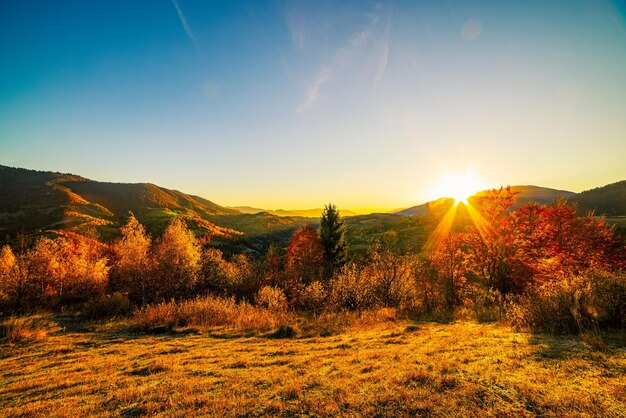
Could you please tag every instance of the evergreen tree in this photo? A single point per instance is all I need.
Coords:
(333, 236)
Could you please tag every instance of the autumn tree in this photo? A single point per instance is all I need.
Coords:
(554, 242)
(449, 260)
(491, 242)
(69, 267)
(273, 267)
(133, 269)
(305, 256)
(333, 238)
(13, 284)
(214, 272)
(178, 256)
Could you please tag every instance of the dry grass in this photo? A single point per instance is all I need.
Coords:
(387, 368)
(26, 330)
(207, 312)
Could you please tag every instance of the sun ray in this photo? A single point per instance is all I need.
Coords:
(479, 221)
(443, 228)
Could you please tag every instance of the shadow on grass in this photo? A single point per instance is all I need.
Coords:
(600, 348)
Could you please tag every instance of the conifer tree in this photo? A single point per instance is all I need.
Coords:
(333, 236)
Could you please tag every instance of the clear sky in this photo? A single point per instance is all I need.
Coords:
(293, 104)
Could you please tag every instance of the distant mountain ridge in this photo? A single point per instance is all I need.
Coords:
(307, 213)
(527, 194)
(607, 200)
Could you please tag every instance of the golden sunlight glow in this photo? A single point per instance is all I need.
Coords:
(458, 186)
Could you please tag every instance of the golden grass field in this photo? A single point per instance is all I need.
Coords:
(395, 368)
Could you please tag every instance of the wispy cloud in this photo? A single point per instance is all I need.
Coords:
(384, 56)
(313, 91)
(297, 23)
(367, 43)
(190, 34)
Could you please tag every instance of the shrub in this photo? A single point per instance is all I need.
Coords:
(108, 306)
(386, 280)
(244, 277)
(313, 297)
(483, 304)
(271, 298)
(572, 305)
(24, 330)
(353, 290)
(208, 311)
(283, 331)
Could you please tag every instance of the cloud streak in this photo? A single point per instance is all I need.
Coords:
(368, 44)
(190, 34)
(384, 57)
(312, 93)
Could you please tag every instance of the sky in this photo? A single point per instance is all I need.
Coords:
(289, 104)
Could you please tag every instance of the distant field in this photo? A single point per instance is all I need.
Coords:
(390, 369)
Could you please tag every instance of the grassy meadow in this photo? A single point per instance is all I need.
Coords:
(389, 367)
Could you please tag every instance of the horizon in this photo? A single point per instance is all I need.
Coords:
(240, 103)
(356, 211)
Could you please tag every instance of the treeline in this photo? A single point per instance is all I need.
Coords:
(540, 268)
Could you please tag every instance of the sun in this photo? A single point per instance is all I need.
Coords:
(458, 186)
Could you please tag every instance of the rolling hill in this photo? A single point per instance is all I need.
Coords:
(38, 202)
(609, 200)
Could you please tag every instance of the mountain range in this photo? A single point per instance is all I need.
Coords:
(42, 203)
(306, 213)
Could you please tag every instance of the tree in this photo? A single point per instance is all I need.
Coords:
(554, 242)
(13, 284)
(490, 243)
(449, 260)
(133, 265)
(333, 237)
(273, 267)
(67, 268)
(178, 254)
(305, 256)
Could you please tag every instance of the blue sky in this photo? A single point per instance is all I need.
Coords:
(293, 104)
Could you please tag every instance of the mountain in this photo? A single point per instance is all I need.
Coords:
(428, 208)
(306, 213)
(609, 200)
(539, 195)
(527, 194)
(248, 209)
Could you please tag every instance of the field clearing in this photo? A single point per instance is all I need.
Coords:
(390, 369)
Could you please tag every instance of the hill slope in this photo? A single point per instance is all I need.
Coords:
(36, 201)
(608, 200)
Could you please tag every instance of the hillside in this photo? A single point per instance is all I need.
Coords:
(38, 202)
(609, 200)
